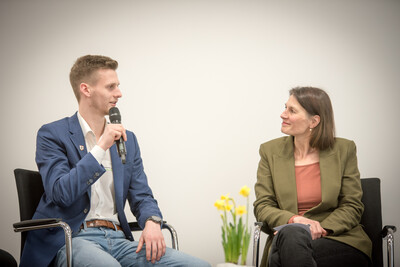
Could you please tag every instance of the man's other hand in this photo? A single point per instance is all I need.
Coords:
(154, 240)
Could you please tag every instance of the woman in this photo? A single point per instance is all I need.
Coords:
(311, 179)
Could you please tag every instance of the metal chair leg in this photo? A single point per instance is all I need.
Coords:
(390, 248)
(68, 242)
(387, 232)
(256, 242)
(174, 235)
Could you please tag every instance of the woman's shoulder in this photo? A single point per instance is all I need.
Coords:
(342, 146)
(343, 142)
(277, 143)
(276, 140)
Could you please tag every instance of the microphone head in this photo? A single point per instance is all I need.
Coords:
(115, 116)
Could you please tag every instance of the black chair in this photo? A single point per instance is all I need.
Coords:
(6, 259)
(371, 220)
(30, 190)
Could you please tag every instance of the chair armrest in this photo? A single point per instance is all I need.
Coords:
(388, 229)
(256, 242)
(387, 232)
(174, 235)
(134, 226)
(36, 222)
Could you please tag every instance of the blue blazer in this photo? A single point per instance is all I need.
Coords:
(68, 173)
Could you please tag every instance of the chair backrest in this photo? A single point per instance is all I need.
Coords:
(30, 190)
(372, 217)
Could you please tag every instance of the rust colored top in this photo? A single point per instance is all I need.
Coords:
(308, 182)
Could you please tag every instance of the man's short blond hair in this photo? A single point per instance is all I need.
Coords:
(84, 70)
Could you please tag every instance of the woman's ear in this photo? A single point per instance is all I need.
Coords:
(315, 120)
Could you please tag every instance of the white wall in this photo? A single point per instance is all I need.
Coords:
(204, 83)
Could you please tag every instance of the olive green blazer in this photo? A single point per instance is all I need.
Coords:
(340, 209)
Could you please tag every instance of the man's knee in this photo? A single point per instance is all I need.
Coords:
(85, 253)
(177, 258)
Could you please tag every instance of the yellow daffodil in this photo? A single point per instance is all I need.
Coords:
(225, 197)
(244, 191)
(220, 204)
(228, 207)
(240, 210)
(235, 227)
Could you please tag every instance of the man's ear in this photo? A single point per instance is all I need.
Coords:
(315, 120)
(85, 89)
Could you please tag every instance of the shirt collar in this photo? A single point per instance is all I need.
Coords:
(84, 125)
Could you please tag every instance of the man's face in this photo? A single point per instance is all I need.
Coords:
(104, 91)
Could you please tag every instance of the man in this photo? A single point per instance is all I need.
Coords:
(87, 185)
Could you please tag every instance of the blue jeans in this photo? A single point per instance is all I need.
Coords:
(107, 247)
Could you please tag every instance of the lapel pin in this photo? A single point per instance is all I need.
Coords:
(81, 147)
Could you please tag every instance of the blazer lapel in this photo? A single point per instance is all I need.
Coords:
(118, 173)
(284, 177)
(329, 164)
(76, 136)
(330, 180)
(119, 179)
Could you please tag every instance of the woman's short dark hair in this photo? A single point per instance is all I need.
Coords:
(317, 102)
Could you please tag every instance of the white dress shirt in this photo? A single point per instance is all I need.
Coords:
(102, 201)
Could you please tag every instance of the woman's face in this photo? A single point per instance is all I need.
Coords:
(295, 119)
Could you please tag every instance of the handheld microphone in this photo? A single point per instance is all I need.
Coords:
(115, 118)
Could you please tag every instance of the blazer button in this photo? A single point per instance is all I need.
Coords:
(90, 181)
(85, 211)
(96, 174)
